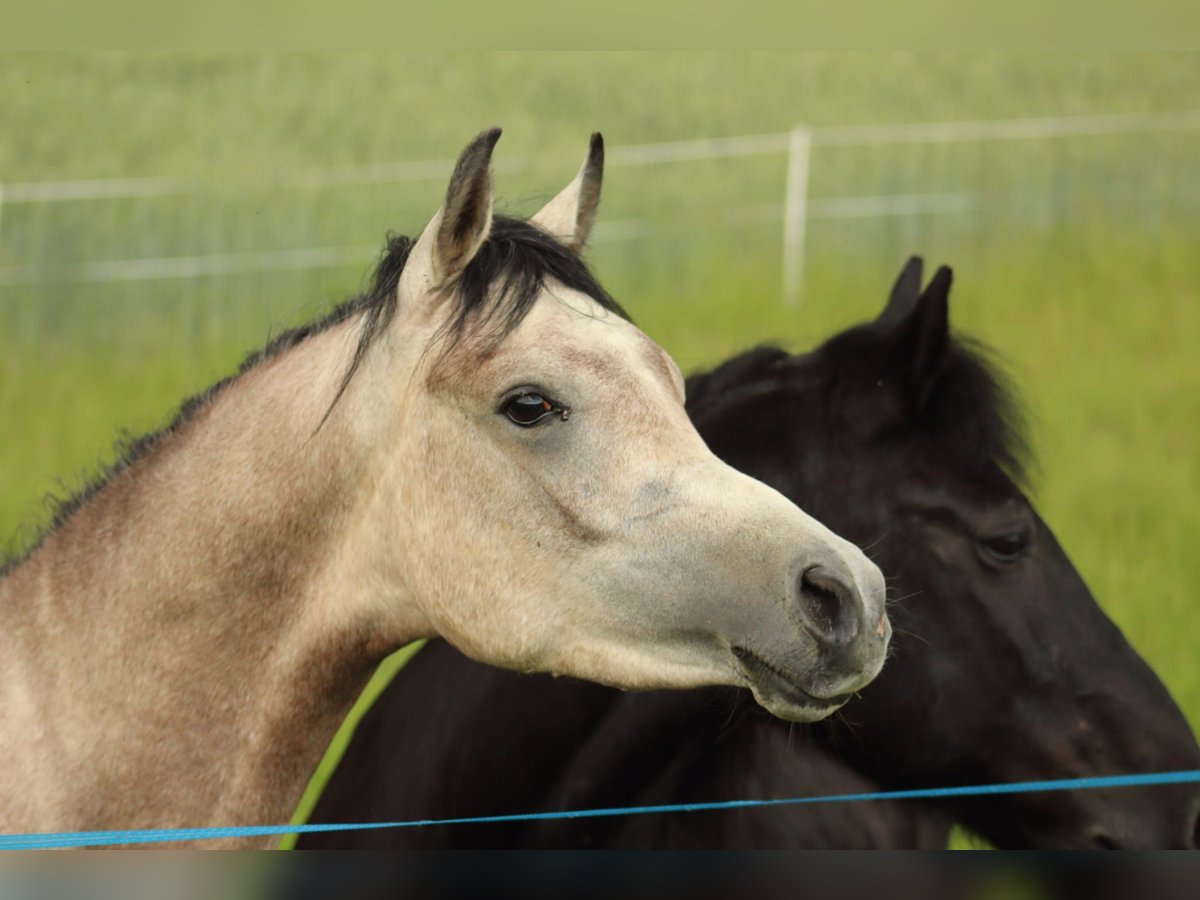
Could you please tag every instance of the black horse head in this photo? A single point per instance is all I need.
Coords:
(904, 439)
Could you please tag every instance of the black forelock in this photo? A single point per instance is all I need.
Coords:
(493, 294)
(964, 406)
(972, 413)
(502, 282)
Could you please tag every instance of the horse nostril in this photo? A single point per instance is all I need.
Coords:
(828, 605)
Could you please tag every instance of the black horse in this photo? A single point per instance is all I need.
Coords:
(903, 439)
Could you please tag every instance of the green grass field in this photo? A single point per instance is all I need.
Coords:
(1076, 258)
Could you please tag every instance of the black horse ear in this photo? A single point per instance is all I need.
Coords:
(905, 293)
(923, 337)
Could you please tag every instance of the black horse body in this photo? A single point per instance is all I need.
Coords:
(902, 439)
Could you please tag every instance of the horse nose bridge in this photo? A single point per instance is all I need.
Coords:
(752, 513)
(775, 518)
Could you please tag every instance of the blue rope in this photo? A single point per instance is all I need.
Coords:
(162, 835)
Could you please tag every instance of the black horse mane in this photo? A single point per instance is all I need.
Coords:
(969, 409)
(973, 413)
(493, 295)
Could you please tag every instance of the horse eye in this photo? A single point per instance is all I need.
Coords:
(529, 409)
(1006, 548)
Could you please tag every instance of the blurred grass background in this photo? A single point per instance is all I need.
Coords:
(1078, 259)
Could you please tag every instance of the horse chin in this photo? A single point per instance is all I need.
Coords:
(778, 691)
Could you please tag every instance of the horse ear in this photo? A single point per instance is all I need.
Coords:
(905, 293)
(922, 338)
(569, 216)
(455, 234)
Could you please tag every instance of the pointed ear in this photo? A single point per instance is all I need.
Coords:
(923, 337)
(455, 234)
(905, 293)
(569, 216)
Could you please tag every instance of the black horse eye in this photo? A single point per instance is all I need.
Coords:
(1006, 548)
(529, 409)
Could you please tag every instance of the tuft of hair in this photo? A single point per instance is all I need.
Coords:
(498, 288)
(972, 413)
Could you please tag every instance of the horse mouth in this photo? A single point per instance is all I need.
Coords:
(779, 691)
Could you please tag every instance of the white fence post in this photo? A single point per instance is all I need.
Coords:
(795, 213)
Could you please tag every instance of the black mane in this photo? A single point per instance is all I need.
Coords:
(969, 409)
(973, 413)
(756, 367)
(494, 293)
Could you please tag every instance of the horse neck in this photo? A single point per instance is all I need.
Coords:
(181, 650)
